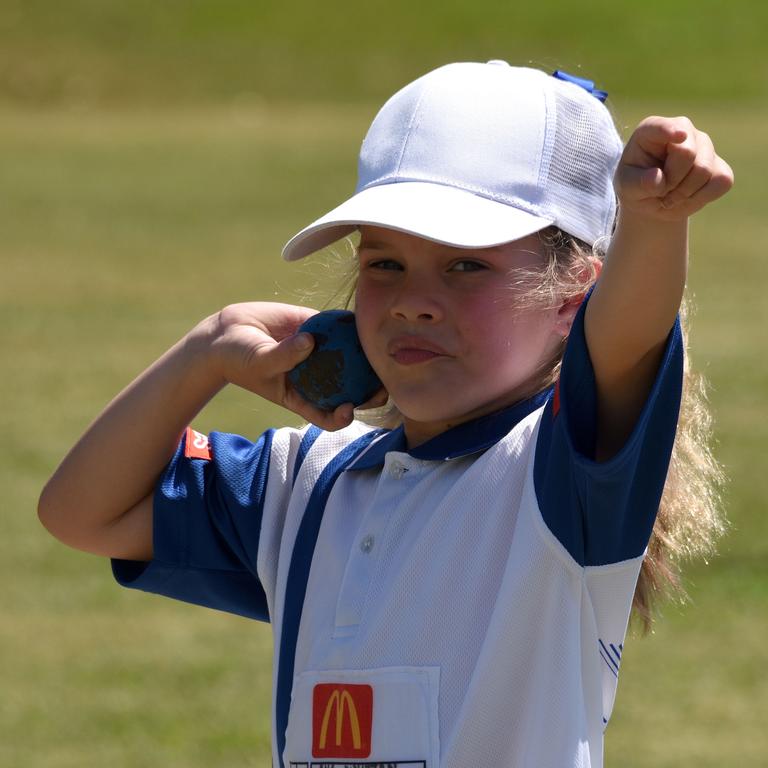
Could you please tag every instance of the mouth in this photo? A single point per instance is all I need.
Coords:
(412, 350)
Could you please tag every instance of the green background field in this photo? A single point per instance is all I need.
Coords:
(153, 159)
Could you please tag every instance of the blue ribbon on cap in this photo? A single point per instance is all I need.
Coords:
(587, 85)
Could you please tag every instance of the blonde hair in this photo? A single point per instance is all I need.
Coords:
(690, 517)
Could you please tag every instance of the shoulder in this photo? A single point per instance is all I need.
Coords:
(284, 443)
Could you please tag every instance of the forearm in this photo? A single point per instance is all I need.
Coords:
(116, 463)
(628, 319)
(100, 498)
(637, 297)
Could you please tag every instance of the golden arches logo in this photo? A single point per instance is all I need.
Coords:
(341, 700)
(342, 720)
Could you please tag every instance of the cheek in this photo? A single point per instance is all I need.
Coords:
(498, 330)
(366, 314)
(367, 297)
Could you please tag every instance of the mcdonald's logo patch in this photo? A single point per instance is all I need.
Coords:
(342, 720)
(196, 445)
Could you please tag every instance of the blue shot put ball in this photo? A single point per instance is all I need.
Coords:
(337, 370)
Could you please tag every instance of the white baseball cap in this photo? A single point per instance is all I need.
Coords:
(475, 155)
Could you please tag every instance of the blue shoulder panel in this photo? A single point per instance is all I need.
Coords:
(206, 529)
(604, 512)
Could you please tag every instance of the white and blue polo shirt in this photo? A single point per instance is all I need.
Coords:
(460, 604)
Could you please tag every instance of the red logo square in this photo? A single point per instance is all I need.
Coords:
(196, 445)
(342, 720)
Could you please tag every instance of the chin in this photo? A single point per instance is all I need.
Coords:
(434, 411)
(443, 408)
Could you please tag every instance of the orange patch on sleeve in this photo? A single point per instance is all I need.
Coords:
(196, 445)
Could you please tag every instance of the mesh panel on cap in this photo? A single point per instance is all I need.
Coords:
(585, 150)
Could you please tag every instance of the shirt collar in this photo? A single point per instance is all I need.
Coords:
(462, 440)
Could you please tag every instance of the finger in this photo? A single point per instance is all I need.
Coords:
(719, 183)
(663, 130)
(698, 176)
(330, 421)
(680, 160)
(650, 142)
(377, 401)
(281, 320)
(343, 416)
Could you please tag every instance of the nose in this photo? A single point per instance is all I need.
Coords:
(417, 301)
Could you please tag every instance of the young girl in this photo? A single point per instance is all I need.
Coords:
(453, 590)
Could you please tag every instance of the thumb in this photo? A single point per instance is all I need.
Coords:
(635, 183)
(289, 352)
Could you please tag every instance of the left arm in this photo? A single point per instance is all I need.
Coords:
(669, 170)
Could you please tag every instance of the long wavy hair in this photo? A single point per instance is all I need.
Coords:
(690, 518)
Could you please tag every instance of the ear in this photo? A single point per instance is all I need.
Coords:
(568, 309)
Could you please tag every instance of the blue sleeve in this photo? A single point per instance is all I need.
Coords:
(603, 512)
(206, 528)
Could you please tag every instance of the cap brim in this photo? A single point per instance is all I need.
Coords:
(432, 211)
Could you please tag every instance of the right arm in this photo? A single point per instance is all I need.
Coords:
(100, 497)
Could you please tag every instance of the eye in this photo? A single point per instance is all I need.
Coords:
(468, 265)
(383, 264)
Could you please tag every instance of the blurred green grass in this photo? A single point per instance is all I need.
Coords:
(120, 229)
(88, 52)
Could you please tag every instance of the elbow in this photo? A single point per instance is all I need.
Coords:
(56, 516)
(69, 518)
(49, 510)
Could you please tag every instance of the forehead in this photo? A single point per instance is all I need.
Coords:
(382, 238)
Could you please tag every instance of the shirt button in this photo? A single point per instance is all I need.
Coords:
(366, 545)
(398, 470)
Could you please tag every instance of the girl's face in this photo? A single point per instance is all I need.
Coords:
(445, 329)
